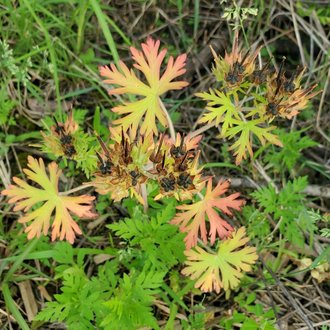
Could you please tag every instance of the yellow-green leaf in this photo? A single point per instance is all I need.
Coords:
(220, 109)
(246, 129)
(223, 269)
(148, 61)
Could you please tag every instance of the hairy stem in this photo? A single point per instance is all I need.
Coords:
(71, 191)
(169, 120)
(201, 130)
(144, 194)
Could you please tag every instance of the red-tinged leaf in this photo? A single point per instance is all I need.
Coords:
(223, 269)
(193, 220)
(25, 196)
(190, 143)
(149, 62)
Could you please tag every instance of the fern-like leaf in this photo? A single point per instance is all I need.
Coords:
(81, 303)
(130, 306)
(293, 144)
(153, 235)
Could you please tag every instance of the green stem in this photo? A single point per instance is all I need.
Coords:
(144, 194)
(81, 25)
(244, 34)
(10, 303)
(196, 18)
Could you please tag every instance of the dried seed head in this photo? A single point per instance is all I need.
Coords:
(168, 183)
(156, 157)
(185, 180)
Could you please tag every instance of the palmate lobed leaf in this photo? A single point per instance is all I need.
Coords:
(148, 61)
(244, 142)
(224, 268)
(220, 109)
(25, 196)
(193, 219)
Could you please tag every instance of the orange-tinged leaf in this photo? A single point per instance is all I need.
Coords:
(224, 268)
(25, 196)
(190, 143)
(193, 220)
(149, 62)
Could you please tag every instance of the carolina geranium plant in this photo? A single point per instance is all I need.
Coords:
(139, 160)
(250, 97)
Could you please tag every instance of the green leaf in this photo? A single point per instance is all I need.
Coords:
(102, 19)
(63, 253)
(81, 302)
(247, 129)
(289, 154)
(153, 235)
(130, 307)
(221, 109)
(12, 307)
(6, 106)
(97, 120)
(289, 208)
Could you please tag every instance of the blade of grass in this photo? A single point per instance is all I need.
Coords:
(317, 167)
(81, 24)
(10, 303)
(97, 120)
(186, 288)
(54, 19)
(84, 72)
(101, 17)
(196, 18)
(227, 165)
(179, 5)
(119, 31)
(50, 46)
(176, 297)
(33, 52)
(78, 92)
(170, 322)
(30, 246)
(33, 255)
